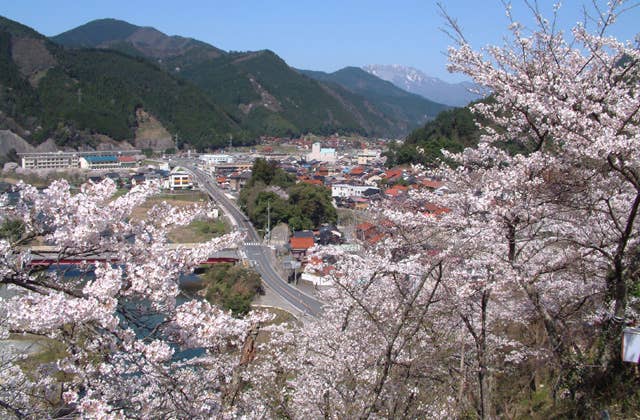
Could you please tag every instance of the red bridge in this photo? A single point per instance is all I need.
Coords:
(45, 256)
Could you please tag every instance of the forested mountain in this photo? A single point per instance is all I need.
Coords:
(108, 71)
(259, 89)
(169, 51)
(410, 109)
(452, 130)
(267, 96)
(72, 95)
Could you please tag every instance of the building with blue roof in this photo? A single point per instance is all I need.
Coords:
(322, 154)
(99, 162)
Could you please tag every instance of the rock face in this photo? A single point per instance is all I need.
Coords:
(9, 140)
(151, 133)
(32, 57)
(9, 167)
(107, 143)
(48, 146)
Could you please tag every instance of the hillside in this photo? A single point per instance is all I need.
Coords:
(452, 130)
(409, 109)
(137, 41)
(266, 95)
(72, 95)
(262, 93)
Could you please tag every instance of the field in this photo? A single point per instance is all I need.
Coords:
(198, 230)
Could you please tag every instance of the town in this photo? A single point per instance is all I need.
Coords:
(352, 171)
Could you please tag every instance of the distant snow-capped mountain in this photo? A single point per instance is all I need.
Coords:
(415, 81)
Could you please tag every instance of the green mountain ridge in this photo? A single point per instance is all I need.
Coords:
(138, 41)
(95, 33)
(92, 83)
(411, 109)
(261, 92)
(72, 95)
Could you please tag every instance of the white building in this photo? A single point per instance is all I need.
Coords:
(99, 162)
(367, 156)
(179, 179)
(216, 159)
(322, 154)
(87, 160)
(57, 160)
(347, 190)
(316, 279)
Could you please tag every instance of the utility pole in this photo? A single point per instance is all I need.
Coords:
(268, 222)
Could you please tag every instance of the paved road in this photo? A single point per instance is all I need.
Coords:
(258, 254)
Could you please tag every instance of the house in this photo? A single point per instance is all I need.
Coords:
(348, 190)
(299, 245)
(179, 179)
(396, 191)
(137, 179)
(360, 203)
(356, 171)
(367, 156)
(318, 277)
(238, 180)
(436, 186)
(431, 184)
(329, 235)
(430, 209)
(373, 180)
(393, 175)
(391, 192)
(368, 232)
(322, 171)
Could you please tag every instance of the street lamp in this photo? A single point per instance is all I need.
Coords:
(268, 222)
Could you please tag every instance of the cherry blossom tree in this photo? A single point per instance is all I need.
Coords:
(532, 273)
(119, 323)
(567, 209)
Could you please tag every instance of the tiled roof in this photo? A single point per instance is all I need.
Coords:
(392, 173)
(365, 226)
(434, 209)
(432, 184)
(301, 243)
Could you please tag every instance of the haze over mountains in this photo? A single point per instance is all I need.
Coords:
(112, 80)
(393, 101)
(415, 81)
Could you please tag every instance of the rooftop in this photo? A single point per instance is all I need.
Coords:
(301, 242)
(100, 159)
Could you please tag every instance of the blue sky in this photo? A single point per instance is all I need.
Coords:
(318, 35)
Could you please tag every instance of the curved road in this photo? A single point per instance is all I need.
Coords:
(259, 254)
